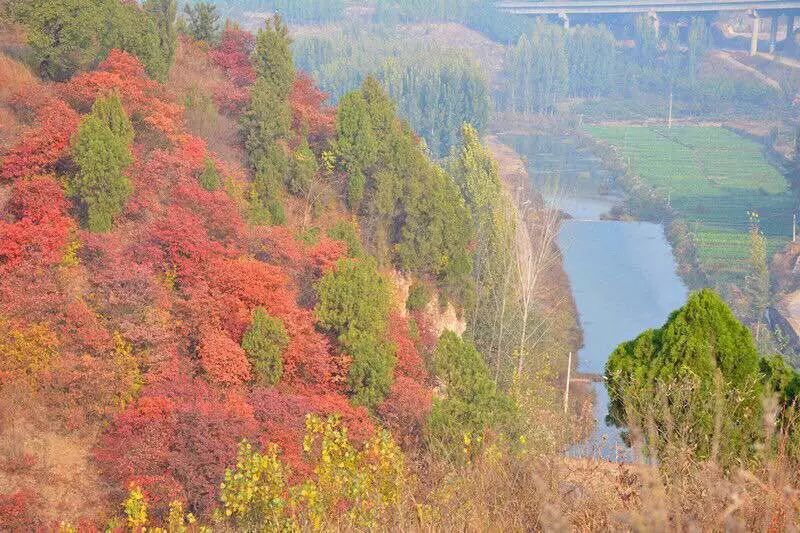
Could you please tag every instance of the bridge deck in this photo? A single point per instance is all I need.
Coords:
(589, 7)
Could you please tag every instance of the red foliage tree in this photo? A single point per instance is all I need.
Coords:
(309, 110)
(233, 56)
(222, 358)
(184, 443)
(40, 227)
(40, 148)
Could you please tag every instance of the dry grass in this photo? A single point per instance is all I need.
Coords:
(15, 80)
(194, 77)
(55, 465)
(554, 493)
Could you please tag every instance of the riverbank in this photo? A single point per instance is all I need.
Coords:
(552, 295)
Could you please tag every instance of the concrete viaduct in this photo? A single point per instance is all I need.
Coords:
(757, 9)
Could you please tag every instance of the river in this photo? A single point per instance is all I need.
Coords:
(622, 274)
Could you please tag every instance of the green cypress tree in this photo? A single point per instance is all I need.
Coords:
(266, 123)
(163, 13)
(471, 403)
(267, 187)
(203, 21)
(696, 379)
(756, 286)
(264, 343)
(353, 303)
(101, 152)
(272, 57)
(356, 146)
(63, 35)
(131, 29)
(347, 232)
(110, 111)
(698, 43)
(210, 179)
(266, 120)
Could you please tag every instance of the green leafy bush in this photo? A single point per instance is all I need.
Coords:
(471, 403)
(354, 303)
(347, 232)
(264, 343)
(418, 296)
(210, 179)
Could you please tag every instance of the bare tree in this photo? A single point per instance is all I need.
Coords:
(536, 241)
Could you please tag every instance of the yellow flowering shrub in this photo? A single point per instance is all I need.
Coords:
(253, 494)
(349, 487)
(135, 507)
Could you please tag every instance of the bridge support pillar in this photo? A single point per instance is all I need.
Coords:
(773, 33)
(756, 29)
(790, 32)
(655, 21)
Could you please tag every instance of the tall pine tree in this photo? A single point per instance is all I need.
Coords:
(266, 123)
(101, 151)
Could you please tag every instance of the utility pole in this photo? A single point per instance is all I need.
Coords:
(569, 376)
(669, 121)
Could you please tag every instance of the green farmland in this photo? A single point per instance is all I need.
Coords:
(712, 177)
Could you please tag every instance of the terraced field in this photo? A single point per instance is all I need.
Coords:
(713, 177)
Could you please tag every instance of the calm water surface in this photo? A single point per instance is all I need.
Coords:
(622, 274)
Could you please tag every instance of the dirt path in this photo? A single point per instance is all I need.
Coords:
(787, 61)
(735, 63)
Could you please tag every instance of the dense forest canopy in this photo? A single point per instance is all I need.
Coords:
(292, 11)
(436, 91)
(214, 305)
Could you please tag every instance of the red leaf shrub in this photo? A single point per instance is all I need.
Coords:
(16, 509)
(233, 56)
(406, 408)
(309, 110)
(281, 417)
(326, 252)
(222, 358)
(41, 147)
(185, 442)
(145, 100)
(41, 227)
(409, 362)
(307, 362)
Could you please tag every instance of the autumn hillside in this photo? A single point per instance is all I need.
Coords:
(178, 276)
